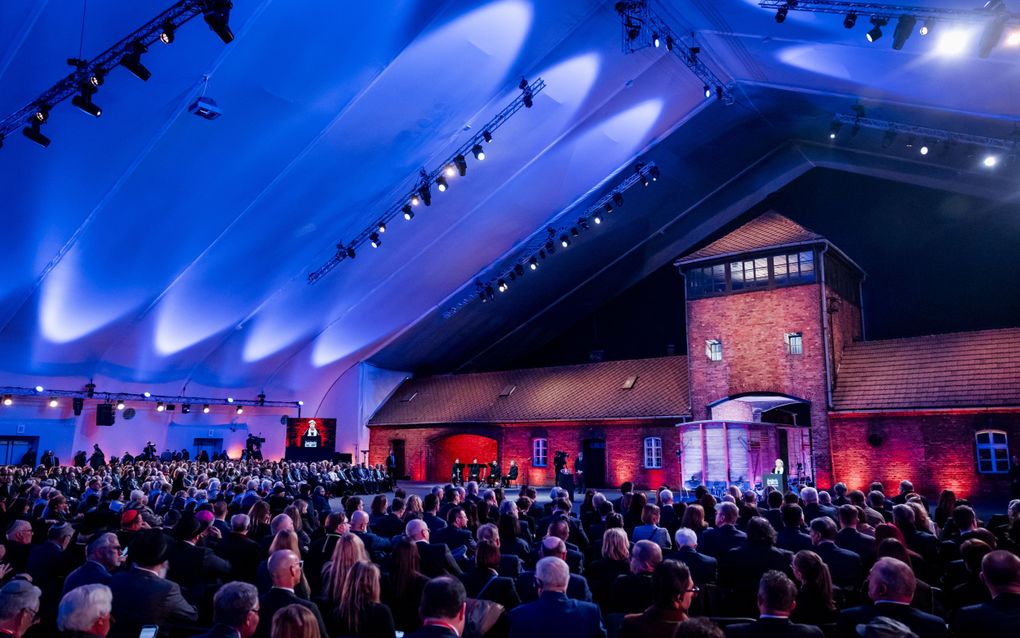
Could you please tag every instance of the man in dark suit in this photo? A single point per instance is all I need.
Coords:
(792, 537)
(966, 523)
(285, 571)
(192, 565)
(850, 539)
(577, 586)
(430, 505)
(510, 565)
(455, 535)
(668, 517)
(49, 564)
(812, 508)
(321, 549)
(725, 536)
(103, 557)
(844, 565)
(704, 569)
(442, 609)
(777, 596)
(1000, 572)
(632, 593)
(742, 568)
(891, 585)
(923, 543)
(560, 528)
(374, 544)
(236, 612)
(242, 553)
(142, 596)
(548, 616)
(392, 523)
(436, 560)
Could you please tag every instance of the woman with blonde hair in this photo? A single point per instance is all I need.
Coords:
(349, 550)
(615, 562)
(284, 539)
(295, 621)
(413, 508)
(694, 519)
(360, 613)
(650, 530)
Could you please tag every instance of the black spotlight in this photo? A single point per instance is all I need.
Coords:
(77, 403)
(564, 241)
(217, 16)
(185, 408)
(441, 184)
(408, 213)
(849, 21)
(261, 399)
(519, 270)
(166, 33)
(382, 227)
(669, 43)
(876, 29)
(426, 193)
(654, 173)
(533, 263)
(633, 30)
(84, 101)
(487, 136)
(502, 286)
(133, 62)
(350, 252)
(656, 42)
(618, 199)
(374, 240)
(904, 29)
(33, 133)
(834, 129)
(461, 165)
(98, 77)
(781, 14)
(478, 152)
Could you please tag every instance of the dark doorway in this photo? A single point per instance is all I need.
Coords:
(398, 452)
(14, 448)
(211, 447)
(594, 462)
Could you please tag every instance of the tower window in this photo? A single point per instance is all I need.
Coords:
(992, 452)
(794, 342)
(706, 281)
(653, 452)
(793, 268)
(749, 273)
(713, 349)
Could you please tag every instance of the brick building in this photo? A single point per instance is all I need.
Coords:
(777, 368)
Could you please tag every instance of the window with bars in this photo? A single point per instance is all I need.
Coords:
(540, 452)
(992, 452)
(653, 452)
(793, 268)
(794, 342)
(749, 273)
(713, 349)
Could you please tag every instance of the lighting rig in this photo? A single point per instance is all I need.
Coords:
(421, 192)
(643, 28)
(993, 15)
(543, 244)
(88, 76)
(163, 403)
(997, 150)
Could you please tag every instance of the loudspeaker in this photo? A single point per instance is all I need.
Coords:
(77, 403)
(105, 414)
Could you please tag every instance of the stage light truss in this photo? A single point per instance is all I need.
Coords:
(924, 133)
(112, 397)
(533, 252)
(640, 27)
(90, 74)
(891, 12)
(472, 147)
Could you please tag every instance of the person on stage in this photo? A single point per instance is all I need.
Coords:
(457, 474)
(494, 473)
(474, 471)
(779, 467)
(579, 471)
(511, 474)
(391, 468)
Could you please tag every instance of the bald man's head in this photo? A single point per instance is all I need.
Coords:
(284, 568)
(359, 521)
(1000, 572)
(417, 530)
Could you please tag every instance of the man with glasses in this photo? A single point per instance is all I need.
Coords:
(285, 570)
(236, 612)
(103, 558)
(19, 607)
(673, 591)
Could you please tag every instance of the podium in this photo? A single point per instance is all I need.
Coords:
(777, 481)
(311, 442)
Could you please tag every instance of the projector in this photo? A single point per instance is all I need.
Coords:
(206, 108)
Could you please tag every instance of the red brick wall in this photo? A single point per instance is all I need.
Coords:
(751, 326)
(426, 446)
(932, 450)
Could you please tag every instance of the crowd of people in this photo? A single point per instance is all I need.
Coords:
(259, 548)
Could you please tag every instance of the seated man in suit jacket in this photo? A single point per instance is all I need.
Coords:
(777, 596)
(442, 609)
(455, 535)
(236, 611)
(103, 557)
(725, 536)
(285, 571)
(632, 593)
(792, 537)
(673, 592)
(436, 560)
(1000, 572)
(554, 612)
(891, 586)
(704, 569)
(577, 586)
(844, 565)
(850, 539)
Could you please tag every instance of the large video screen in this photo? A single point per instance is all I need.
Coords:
(309, 439)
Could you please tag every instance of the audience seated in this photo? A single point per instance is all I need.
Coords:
(442, 609)
(844, 565)
(725, 535)
(631, 593)
(672, 593)
(19, 607)
(236, 612)
(485, 581)
(704, 569)
(816, 604)
(553, 611)
(1000, 572)
(777, 598)
(793, 537)
(891, 587)
(577, 586)
(361, 612)
(285, 572)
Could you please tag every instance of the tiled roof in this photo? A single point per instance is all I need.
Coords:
(579, 392)
(769, 230)
(963, 369)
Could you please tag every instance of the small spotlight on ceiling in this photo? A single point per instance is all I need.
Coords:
(260, 399)
(97, 78)
(205, 409)
(300, 402)
(781, 14)
(441, 184)
(487, 136)
(230, 399)
(450, 170)
(120, 404)
(644, 180)
(374, 240)
(596, 218)
(382, 227)
(160, 407)
(478, 152)
(53, 402)
(8, 400)
(426, 193)
(83, 101)
(633, 30)
(519, 270)
(351, 252)
(42, 114)
(850, 21)
(834, 129)
(533, 263)
(708, 91)
(904, 29)
(990, 161)
(239, 409)
(185, 408)
(133, 62)
(147, 394)
(217, 16)
(490, 293)
(33, 133)
(39, 388)
(654, 173)
(876, 29)
(408, 213)
(574, 232)
(461, 163)
(564, 241)
(618, 199)
(655, 40)
(166, 34)
(669, 43)
(415, 200)
(924, 149)
(926, 28)
(502, 286)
